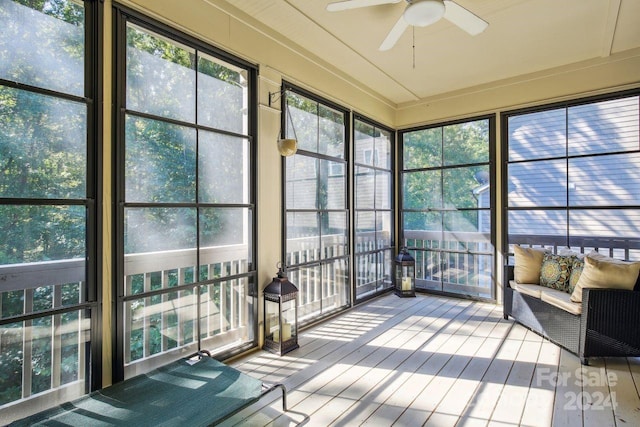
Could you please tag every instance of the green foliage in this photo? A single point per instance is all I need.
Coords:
(318, 128)
(161, 158)
(42, 141)
(41, 233)
(42, 44)
(12, 303)
(42, 146)
(65, 10)
(441, 173)
(41, 355)
(42, 156)
(11, 363)
(365, 129)
(160, 164)
(162, 48)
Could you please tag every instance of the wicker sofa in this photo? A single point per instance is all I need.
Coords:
(609, 323)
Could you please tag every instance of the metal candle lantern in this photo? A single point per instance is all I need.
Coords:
(280, 315)
(405, 274)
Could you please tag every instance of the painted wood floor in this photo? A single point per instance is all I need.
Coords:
(437, 361)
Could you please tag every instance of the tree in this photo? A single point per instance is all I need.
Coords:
(42, 157)
(441, 171)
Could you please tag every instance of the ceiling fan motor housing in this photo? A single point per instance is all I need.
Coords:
(421, 13)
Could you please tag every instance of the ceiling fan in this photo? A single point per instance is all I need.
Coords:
(419, 13)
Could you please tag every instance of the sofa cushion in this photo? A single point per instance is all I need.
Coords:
(561, 300)
(528, 264)
(555, 271)
(576, 271)
(600, 271)
(526, 288)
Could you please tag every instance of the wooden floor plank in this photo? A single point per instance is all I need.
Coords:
(634, 364)
(623, 392)
(384, 340)
(435, 361)
(401, 386)
(482, 404)
(565, 410)
(596, 403)
(538, 410)
(448, 393)
(462, 392)
(440, 397)
(450, 360)
(329, 412)
(510, 406)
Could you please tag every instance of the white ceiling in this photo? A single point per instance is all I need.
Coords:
(524, 36)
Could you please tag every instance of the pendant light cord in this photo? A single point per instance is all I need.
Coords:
(414, 46)
(286, 106)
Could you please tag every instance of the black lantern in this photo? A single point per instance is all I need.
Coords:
(405, 274)
(280, 315)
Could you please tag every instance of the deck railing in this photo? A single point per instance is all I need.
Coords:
(624, 248)
(49, 351)
(163, 320)
(172, 316)
(457, 262)
(320, 258)
(158, 320)
(462, 262)
(316, 297)
(373, 263)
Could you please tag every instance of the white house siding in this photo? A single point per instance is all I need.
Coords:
(574, 173)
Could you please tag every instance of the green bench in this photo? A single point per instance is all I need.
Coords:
(194, 392)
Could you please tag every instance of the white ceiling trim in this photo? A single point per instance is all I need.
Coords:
(287, 44)
(351, 49)
(610, 27)
(512, 81)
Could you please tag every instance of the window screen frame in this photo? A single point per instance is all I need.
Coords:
(490, 163)
(122, 17)
(91, 291)
(567, 208)
(345, 160)
(391, 170)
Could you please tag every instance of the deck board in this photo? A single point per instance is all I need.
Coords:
(538, 410)
(436, 361)
(626, 404)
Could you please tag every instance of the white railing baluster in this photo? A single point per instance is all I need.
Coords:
(223, 306)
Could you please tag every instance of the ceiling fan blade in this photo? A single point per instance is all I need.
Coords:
(355, 4)
(463, 18)
(395, 34)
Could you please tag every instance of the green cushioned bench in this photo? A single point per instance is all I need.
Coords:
(186, 392)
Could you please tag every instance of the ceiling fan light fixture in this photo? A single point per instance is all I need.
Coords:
(421, 13)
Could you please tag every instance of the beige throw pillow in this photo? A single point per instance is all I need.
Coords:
(528, 264)
(600, 271)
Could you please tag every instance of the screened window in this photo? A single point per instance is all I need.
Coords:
(48, 139)
(316, 215)
(187, 203)
(374, 223)
(447, 208)
(572, 174)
